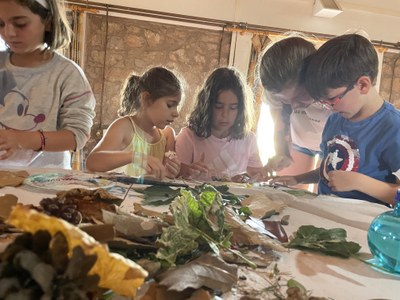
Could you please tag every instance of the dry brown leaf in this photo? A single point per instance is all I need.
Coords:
(206, 271)
(243, 234)
(154, 291)
(102, 233)
(259, 258)
(133, 226)
(7, 202)
(148, 212)
(11, 178)
(261, 205)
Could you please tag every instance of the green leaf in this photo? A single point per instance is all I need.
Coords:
(327, 241)
(199, 220)
(176, 241)
(295, 283)
(158, 195)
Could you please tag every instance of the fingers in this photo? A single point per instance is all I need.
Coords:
(202, 155)
(285, 180)
(155, 167)
(198, 168)
(173, 168)
(4, 154)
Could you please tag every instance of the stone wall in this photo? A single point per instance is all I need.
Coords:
(134, 45)
(390, 78)
(112, 52)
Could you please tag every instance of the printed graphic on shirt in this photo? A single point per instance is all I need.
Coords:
(14, 105)
(342, 155)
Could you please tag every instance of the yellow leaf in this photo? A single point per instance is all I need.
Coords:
(117, 273)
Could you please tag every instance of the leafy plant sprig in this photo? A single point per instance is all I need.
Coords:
(199, 219)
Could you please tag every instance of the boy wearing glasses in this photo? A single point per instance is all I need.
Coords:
(361, 139)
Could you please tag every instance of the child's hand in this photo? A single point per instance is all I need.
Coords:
(344, 181)
(194, 170)
(173, 167)
(154, 166)
(198, 168)
(285, 180)
(277, 163)
(8, 143)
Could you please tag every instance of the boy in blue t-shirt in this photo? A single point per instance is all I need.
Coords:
(361, 140)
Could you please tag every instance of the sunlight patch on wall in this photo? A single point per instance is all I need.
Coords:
(265, 134)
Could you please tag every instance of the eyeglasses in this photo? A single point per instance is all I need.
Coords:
(331, 102)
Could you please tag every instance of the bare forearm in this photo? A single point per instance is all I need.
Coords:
(281, 135)
(104, 161)
(281, 143)
(383, 191)
(61, 140)
(307, 178)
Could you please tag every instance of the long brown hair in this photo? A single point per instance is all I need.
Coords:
(60, 33)
(222, 79)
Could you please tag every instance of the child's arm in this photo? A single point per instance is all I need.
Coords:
(172, 164)
(109, 153)
(11, 140)
(343, 181)
(282, 157)
(305, 178)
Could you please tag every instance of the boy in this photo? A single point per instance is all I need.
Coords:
(361, 140)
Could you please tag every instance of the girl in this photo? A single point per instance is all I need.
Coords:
(217, 143)
(139, 139)
(298, 119)
(46, 103)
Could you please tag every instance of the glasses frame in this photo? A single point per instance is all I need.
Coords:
(331, 102)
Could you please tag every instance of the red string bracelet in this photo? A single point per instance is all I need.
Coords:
(42, 140)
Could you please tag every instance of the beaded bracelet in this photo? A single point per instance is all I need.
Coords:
(42, 140)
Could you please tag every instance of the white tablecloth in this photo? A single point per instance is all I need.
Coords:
(325, 276)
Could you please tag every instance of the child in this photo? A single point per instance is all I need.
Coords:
(46, 103)
(298, 120)
(217, 143)
(361, 140)
(140, 138)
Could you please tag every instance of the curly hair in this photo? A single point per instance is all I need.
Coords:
(222, 79)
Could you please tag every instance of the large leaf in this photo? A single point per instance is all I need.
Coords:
(158, 194)
(207, 270)
(176, 241)
(327, 241)
(199, 220)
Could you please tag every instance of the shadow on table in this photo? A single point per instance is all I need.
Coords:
(314, 264)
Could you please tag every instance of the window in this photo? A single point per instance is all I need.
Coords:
(265, 134)
(2, 45)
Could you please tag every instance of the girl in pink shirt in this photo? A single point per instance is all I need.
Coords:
(217, 142)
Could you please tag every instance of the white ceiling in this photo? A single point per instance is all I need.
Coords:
(389, 7)
(379, 18)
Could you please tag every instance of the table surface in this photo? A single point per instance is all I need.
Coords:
(324, 276)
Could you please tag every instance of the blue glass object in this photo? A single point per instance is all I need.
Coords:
(384, 238)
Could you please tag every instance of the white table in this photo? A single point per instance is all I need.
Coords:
(328, 276)
(325, 276)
